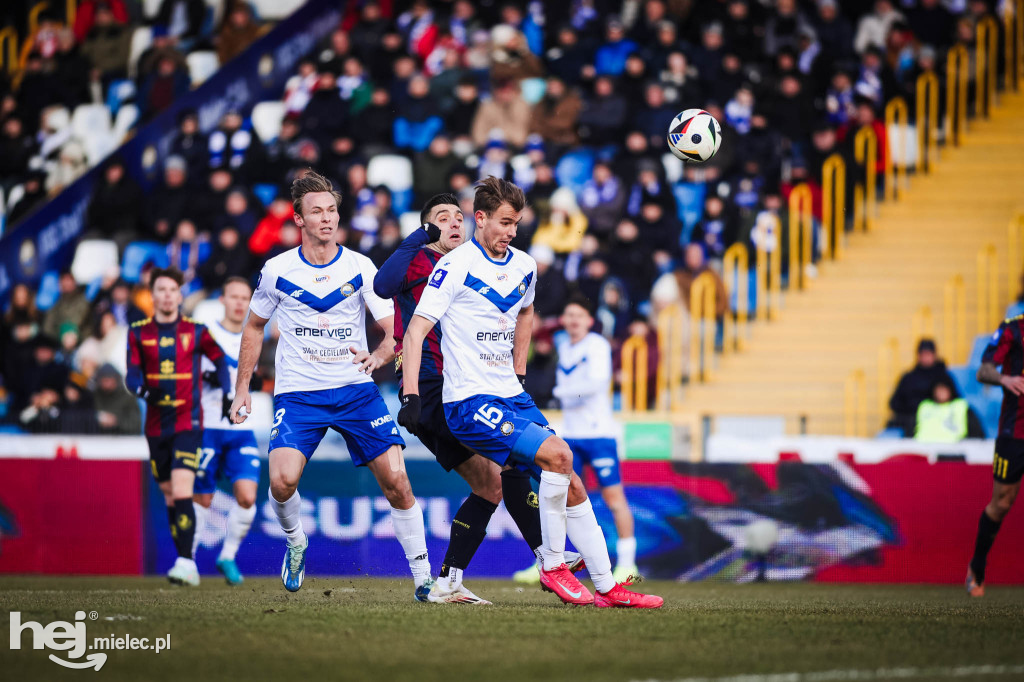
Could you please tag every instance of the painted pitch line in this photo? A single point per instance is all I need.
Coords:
(878, 674)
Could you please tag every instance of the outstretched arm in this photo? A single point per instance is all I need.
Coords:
(248, 357)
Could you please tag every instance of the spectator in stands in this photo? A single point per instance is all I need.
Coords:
(87, 15)
(569, 57)
(187, 251)
(238, 31)
(45, 380)
(117, 410)
(375, 123)
(666, 41)
(162, 47)
(874, 27)
(107, 44)
(71, 306)
(183, 18)
(21, 308)
(419, 120)
(511, 59)
(40, 87)
(648, 187)
(191, 145)
(563, 229)
(604, 115)
(77, 410)
(603, 200)
(172, 203)
(268, 230)
(34, 196)
(556, 115)
(79, 82)
(679, 83)
(115, 207)
(326, 114)
(230, 257)
(945, 418)
(633, 263)
(916, 385)
(105, 346)
(432, 168)
(459, 121)
(166, 83)
(506, 111)
(717, 230)
(389, 236)
(284, 153)
(552, 290)
(354, 86)
(610, 58)
(291, 237)
(44, 40)
(235, 145)
(834, 32)
(932, 23)
(783, 27)
(541, 369)
(653, 116)
(16, 148)
(237, 213)
(118, 302)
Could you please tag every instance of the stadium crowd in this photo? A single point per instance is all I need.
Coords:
(570, 100)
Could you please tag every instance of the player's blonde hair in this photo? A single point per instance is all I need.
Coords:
(492, 192)
(311, 183)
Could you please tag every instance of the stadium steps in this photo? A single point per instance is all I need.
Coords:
(798, 364)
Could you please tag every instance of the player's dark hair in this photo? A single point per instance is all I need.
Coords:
(582, 301)
(311, 183)
(169, 273)
(492, 192)
(442, 199)
(236, 280)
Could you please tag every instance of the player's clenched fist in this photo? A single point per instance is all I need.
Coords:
(241, 406)
(433, 232)
(409, 414)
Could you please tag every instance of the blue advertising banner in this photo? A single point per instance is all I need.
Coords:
(45, 239)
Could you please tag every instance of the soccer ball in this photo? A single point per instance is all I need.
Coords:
(694, 135)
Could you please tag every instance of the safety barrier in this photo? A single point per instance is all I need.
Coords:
(927, 110)
(855, 403)
(897, 130)
(769, 274)
(888, 369)
(703, 326)
(988, 289)
(865, 194)
(673, 332)
(801, 226)
(957, 65)
(33, 17)
(634, 374)
(954, 320)
(735, 266)
(833, 204)
(986, 54)
(9, 50)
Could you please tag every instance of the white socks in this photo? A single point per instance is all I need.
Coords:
(289, 516)
(589, 540)
(409, 531)
(554, 491)
(239, 521)
(625, 550)
(202, 519)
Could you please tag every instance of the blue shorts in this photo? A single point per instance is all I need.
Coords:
(600, 453)
(500, 428)
(357, 412)
(231, 454)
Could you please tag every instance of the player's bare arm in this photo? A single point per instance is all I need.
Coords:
(248, 356)
(382, 354)
(521, 342)
(412, 352)
(988, 374)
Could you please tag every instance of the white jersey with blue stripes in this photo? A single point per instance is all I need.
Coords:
(230, 343)
(321, 312)
(583, 387)
(477, 300)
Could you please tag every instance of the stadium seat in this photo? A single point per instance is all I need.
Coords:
(118, 93)
(93, 258)
(14, 196)
(266, 120)
(127, 117)
(151, 8)
(209, 311)
(142, 38)
(408, 222)
(274, 10)
(137, 255)
(906, 157)
(201, 65)
(90, 124)
(575, 168)
(49, 290)
(395, 173)
(978, 349)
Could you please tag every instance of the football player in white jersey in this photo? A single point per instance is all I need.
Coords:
(583, 386)
(481, 294)
(229, 451)
(320, 292)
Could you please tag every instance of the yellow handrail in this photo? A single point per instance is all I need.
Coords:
(833, 204)
(1009, 47)
(1014, 264)
(927, 105)
(800, 228)
(855, 404)
(988, 288)
(986, 54)
(736, 268)
(33, 17)
(9, 39)
(634, 374)
(769, 274)
(671, 356)
(954, 319)
(922, 326)
(865, 196)
(1019, 41)
(70, 12)
(957, 62)
(702, 326)
(888, 368)
(897, 129)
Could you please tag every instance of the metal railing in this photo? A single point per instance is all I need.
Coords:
(833, 204)
(703, 327)
(897, 130)
(672, 333)
(986, 54)
(801, 226)
(927, 110)
(769, 274)
(865, 193)
(957, 70)
(736, 268)
(634, 374)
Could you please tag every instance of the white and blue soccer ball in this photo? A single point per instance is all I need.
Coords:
(694, 136)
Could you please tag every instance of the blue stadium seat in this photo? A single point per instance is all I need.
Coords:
(575, 168)
(49, 290)
(265, 192)
(978, 349)
(966, 381)
(137, 255)
(119, 92)
(690, 202)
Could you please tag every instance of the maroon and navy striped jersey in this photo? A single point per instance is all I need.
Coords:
(1006, 348)
(165, 358)
(406, 300)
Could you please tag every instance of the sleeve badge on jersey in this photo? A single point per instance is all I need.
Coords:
(437, 278)
(347, 289)
(522, 288)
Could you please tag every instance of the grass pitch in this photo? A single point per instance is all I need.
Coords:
(369, 629)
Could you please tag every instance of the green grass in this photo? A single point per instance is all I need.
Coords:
(362, 629)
